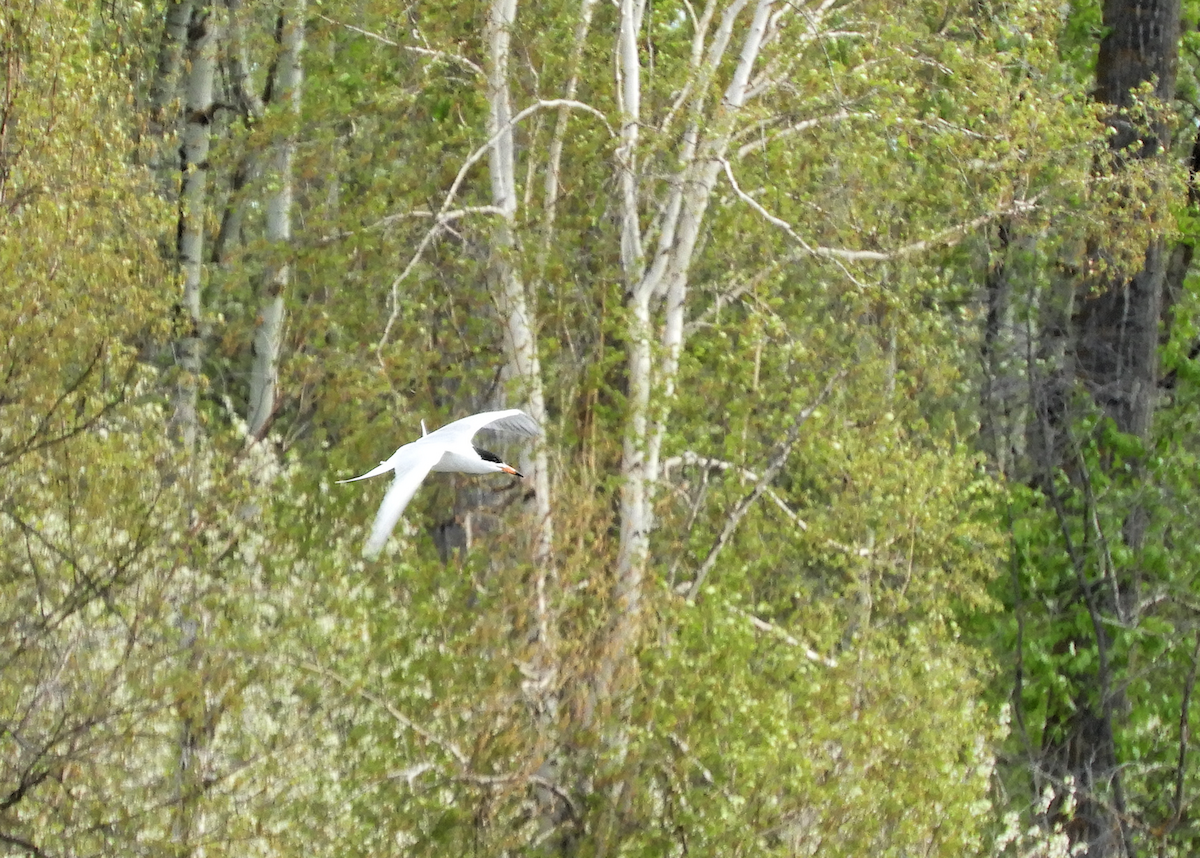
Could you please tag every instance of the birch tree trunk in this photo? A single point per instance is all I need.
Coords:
(251, 107)
(661, 288)
(634, 513)
(198, 113)
(164, 88)
(508, 285)
(201, 58)
(513, 303)
(268, 336)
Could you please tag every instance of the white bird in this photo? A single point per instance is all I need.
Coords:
(445, 449)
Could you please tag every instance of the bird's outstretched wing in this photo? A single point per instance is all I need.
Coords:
(410, 472)
(512, 420)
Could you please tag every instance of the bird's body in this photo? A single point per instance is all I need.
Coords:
(448, 449)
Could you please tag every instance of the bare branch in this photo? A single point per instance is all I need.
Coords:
(471, 161)
(763, 626)
(416, 214)
(409, 775)
(690, 458)
(412, 49)
(795, 128)
(700, 28)
(25, 845)
(464, 775)
(772, 470)
(446, 745)
(737, 292)
(443, 218)
(945, 238)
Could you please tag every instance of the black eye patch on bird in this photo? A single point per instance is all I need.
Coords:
(489, 456)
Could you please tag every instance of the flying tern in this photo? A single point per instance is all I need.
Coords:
(446, 449)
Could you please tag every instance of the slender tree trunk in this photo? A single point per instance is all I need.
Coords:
(508, 286)
(251, 107)
(522, 363)
(164, 88)
(663, 284)
(201, 58)
(237, 60)
(229, 234)
(268, 337)
(1006, 338)
(698, 184)
(198, 107)
(634, 511)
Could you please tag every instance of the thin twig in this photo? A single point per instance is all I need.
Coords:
(445, 744)
(772, 470)
(426, 52)
(763, 626)
(945, 238)
(444, 209)
(764, 140)
(690, 458)
(465, 774)
(27, 846)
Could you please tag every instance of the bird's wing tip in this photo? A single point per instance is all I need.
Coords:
(516, 422)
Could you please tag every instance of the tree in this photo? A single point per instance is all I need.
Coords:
(198, 116)
(268, 338)
(673, 155)
(83, 512)
(1084, 560)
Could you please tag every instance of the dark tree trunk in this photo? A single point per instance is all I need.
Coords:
(1114, 336)
(1141, 46)
(1117, 330)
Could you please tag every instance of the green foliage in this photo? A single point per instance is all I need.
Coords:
(200, 660)
(1150, 652)
(744, 747)
(1080, 39)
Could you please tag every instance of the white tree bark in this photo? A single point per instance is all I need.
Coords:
(237, 54)
(511, 299)
(268, 337)
(658, 290)
(522, 358)
(635, 523)
(190, 821)
(698, 183)
(164, 89)
(201, 58)
(250, 105)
